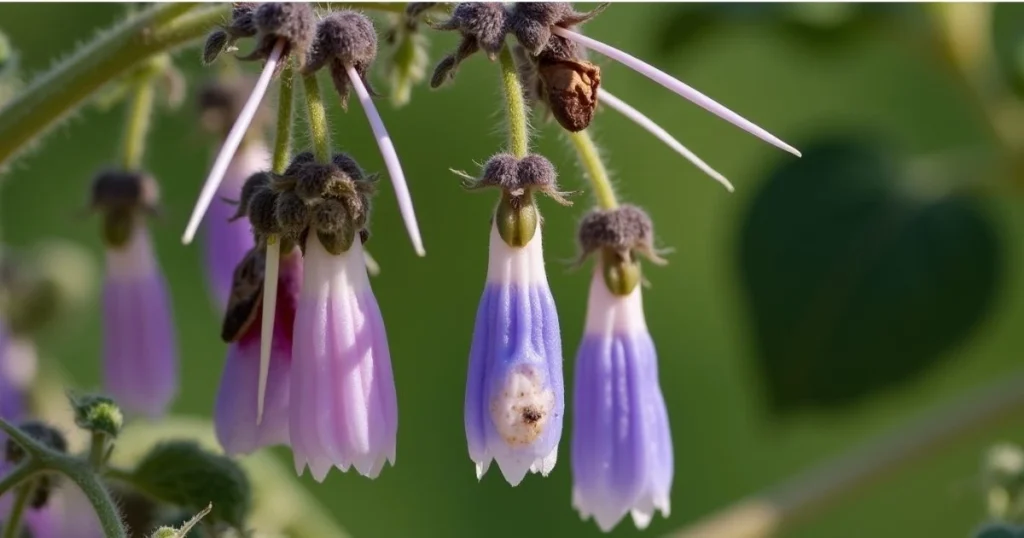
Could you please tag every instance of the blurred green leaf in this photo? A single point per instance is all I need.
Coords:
(184, 474)
(856, 281)
(1008, 42)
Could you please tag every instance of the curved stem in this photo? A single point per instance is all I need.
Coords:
(318, 130)
(518, 132)
(283, 136)
(137, 125)
(21, 499)
(18, 475)
(81, 474)
(590, 159)
(55, 94)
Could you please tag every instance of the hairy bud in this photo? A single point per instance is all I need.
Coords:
(618, 234)
(344, 38)
(293, 23)
(531, 22)
(518, 176)
(483, 25)
(97, 414)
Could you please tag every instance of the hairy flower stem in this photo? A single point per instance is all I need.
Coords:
(98, 450)
(137, 123)
(40, 458)
(597, 174)
(283, 135)
(59, 91)
(13, 525)
(318, 130)
(518, 132)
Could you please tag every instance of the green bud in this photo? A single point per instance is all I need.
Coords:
(621, 274)
(97, 414)
(184, 474)
(517, 219)
(117, 227)
(184, 529)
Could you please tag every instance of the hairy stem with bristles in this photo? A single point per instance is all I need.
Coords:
(518, 131)
(590, 158)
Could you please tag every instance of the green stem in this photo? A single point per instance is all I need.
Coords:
(97, 450)
(44, 459)
(518, 132)
(590, 159)
(137, 125)
(54, 95)
(318, 130)
(21, 499)
(18, 475)
(283, 136)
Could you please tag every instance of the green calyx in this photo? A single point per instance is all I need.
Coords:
(117, 227)
(621, 272)
(517, 218)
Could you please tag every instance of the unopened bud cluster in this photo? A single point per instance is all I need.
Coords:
(330, 199)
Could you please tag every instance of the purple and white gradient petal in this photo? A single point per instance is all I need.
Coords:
(343, 409)
(226, 241)
(621, 443)
(18, 364)
(140, 358)
(677, 86)
(514, 391)
(235, 410)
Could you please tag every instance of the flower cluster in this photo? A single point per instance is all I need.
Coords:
(308, 363)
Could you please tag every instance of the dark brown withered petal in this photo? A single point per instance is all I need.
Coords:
(571, 91)
(246, 296)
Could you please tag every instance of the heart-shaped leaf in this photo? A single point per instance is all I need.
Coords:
(856, 282)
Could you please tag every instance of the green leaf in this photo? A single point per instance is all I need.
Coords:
(185, 475)
(855, 281)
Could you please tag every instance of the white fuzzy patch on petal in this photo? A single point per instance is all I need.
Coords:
(522, 409)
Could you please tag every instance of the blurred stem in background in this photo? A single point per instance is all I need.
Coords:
(590, 158)
(137, 121)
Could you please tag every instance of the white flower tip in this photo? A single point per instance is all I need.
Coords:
(231, 143)
(387, 150)
(481, 469)
(270, 273)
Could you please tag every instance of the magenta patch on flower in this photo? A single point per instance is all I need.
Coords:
(235, 410)
(140, 357)
(344, 410)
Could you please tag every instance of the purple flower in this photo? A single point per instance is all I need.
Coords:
(67, 514)
(621, 444)
(514, 393)
(228, 241)
(17, 369)
(235, 412)
(140, 352)
(343, 408)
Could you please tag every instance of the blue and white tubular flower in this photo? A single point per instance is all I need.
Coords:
(140, 358)
(514, 390)
(622, 459)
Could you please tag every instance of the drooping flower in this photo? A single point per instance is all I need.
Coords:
(538, 27)
(281, 30)
(346, 43)
(140, 359)
(483, 25)
(343, 410)
(235, 412)
(514, 389)
(227, 238)
(622, 460)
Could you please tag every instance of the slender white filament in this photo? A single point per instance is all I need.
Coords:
(676, 86)
(231, 143)
(387, 149)
(638, 118)
(267, 327)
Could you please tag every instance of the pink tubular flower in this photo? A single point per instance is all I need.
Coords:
(227, 240)
(140, 354)
(235, 412)
(140, 358)
(343, 410)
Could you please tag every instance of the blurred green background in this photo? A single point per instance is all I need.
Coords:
(728, 444)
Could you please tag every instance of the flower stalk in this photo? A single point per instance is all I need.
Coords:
(137, 122)
(319, 132)
(518, 131)
(590, 158)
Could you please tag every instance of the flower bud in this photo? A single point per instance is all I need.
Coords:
(292, 23)
(483, 25)
(97, 414)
